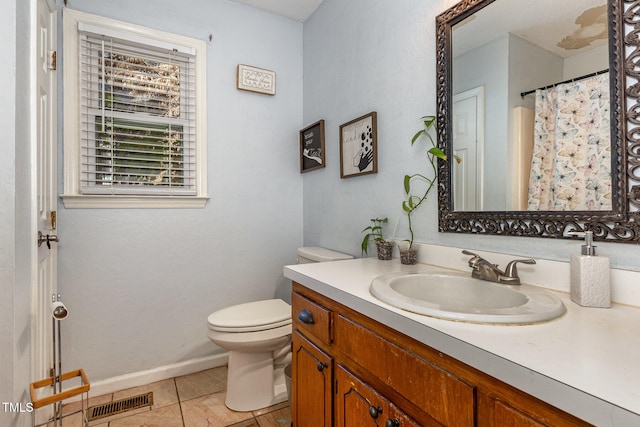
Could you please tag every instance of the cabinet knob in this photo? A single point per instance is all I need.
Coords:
(322, 366)
(392, 423)
(374, 412)
(305, 316)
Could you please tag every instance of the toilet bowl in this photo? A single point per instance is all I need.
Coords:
(258, 338)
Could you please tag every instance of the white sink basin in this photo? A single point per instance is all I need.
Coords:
(459, 297)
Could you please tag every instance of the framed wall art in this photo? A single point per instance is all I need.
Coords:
(312, 147)
(255, 79)
(359, 146)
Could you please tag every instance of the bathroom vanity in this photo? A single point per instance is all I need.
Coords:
(359, 359)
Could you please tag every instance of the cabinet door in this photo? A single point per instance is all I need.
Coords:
(519, 410)
(507, 415)
(359, 405)
(312, 380)
(397, 418)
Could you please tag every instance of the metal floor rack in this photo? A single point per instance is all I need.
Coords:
(56, 380)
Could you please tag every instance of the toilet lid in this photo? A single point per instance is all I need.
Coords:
(316, 253)
(252, 316)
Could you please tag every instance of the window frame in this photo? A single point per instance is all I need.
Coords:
(72, 196)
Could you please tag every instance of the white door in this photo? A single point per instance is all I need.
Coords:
(468, 141)
(44, 43)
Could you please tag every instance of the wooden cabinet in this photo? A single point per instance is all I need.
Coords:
(506, 414)
(349, 370)
(312, 382)
(445, 397)
(505, 406)
(359, 405)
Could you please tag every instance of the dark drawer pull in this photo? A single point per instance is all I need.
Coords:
(392, 423)
(305, 316)
(374, 412)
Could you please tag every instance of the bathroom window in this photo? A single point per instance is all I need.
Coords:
(134, 131)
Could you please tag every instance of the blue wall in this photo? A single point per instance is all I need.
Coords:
(140, 283)
(360, 57)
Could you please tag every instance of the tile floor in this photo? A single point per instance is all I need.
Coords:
(189, 401)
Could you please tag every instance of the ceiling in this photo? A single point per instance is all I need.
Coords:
(298, 10)
(564, 28)
(530, 19)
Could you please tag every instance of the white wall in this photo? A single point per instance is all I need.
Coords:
(128, 316)
(16, 232)
(595, 59)
(488, 66)
(140, 284)
(7, 200)
(360, 57)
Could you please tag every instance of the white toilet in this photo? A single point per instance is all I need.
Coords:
(258, 337)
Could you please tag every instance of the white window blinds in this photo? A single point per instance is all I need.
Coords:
(137, 117)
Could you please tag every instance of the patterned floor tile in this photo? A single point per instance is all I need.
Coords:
(201, 383)
(195, 400)
(167, 416)
(210, 410)
(164, 393)
(278, 418)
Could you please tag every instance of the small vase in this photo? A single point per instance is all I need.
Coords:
(409, 256)
(384, 250)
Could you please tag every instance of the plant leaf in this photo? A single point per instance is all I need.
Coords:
(458, 158)
(365, 244)
(418, 135)
(407, 184)
(429, 121)
(437, 152)
(405, 207)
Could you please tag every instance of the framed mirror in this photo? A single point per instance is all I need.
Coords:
(532, 95)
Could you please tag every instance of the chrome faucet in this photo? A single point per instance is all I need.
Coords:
(483, 269)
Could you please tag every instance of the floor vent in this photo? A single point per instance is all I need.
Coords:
(119, 406)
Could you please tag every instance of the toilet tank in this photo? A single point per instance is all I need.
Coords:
(317, 254)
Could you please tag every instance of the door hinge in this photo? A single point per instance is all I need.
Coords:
(53, 60)
(53, 215)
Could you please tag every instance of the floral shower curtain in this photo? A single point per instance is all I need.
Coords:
(571, 166)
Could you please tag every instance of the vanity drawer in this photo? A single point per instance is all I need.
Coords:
(311, 317)
(443, 396)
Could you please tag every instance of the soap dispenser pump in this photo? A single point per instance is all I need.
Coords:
(590, 276)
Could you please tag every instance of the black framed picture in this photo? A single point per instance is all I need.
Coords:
(312, 147)
(359, 146)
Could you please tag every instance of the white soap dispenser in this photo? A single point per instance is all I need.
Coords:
(590, 276)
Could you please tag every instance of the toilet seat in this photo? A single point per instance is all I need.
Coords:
(251, 317)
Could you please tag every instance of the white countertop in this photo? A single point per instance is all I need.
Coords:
(586, 362)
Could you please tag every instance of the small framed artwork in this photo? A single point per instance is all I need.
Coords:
(255, 79)
(359, 146)
(312, 147)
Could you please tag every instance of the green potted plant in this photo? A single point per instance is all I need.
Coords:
(383, 245)
(409, 254)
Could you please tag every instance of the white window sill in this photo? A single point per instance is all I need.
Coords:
(72, 201)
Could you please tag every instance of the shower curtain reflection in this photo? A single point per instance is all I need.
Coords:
(571, 164)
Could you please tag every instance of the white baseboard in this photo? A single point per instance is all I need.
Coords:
(135, 379)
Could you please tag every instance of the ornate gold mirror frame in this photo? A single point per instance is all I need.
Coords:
(622, 223)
